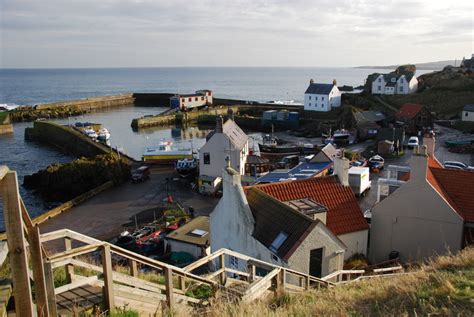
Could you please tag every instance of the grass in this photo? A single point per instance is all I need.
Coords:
(3, 117)
(444, 287)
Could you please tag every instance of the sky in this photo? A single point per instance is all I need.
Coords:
(286, 33)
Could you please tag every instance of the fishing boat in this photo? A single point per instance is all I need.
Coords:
(270, 147)
(165, 154)
(341, 136)
(453, 143)
(103, 135)
(90, 133)
(187, 167)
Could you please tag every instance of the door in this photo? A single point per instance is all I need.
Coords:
(315, 262)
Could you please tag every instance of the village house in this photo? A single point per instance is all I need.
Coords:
(468, 113)
(226, 142)
(192, 238)
(432, 213)
(198, 99)
(414, 118)
(393, 83)
(291, 234)
(322, 97)
(468, 64)
(368, 123)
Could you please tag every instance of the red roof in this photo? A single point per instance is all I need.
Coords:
(456, 187)
(344, 214)
(408, 111)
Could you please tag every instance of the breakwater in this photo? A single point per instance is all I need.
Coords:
(69, 108)
(181, 117)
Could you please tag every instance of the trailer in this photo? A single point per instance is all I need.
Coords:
(359, 180)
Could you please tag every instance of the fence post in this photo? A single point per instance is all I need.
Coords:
(169, 287)
(36, 254)
(16, 245)
(132, 264)
(222, 265)
(108, 279)
(252, 270)
(69, 267)
(280, 283)
(308, 282)
(49, 281)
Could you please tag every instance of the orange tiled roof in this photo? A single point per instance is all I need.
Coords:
(408, 111)
(344, 214)
(456, 187)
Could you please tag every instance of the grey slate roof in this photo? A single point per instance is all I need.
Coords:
(369, 116)
(319, 89)
(469, 108)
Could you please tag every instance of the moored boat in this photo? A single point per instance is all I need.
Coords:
(270, 148)
(165, 154)
(90, 133)
(187, 167)
(453, 143)
(103, 135)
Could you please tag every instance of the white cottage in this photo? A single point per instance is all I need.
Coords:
(291, 234)
(394, 84)
(321, 97)
(468, 113)
(226, 142)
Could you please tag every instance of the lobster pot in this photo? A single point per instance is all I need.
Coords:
(293, 116)
(282, 116)
(268, 115)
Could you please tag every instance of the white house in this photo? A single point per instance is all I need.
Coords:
(226, 142)
(468, 113)
(189, 101)
(394, 84)
(322, 97)
(258, 225)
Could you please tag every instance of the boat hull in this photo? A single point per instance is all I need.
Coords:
(165, 159)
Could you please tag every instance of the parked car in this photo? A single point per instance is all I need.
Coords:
(288, 161)
(377, 162)
(141, 174)
(412, 142)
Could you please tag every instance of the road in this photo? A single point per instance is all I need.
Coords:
(109, 213)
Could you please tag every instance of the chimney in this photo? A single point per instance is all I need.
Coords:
(341, 169)
(429, 141)
(311, 81)
(230, 114)
(419, 164)
(334, 82)
(219, 124)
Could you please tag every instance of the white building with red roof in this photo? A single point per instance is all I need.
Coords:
(431, 214)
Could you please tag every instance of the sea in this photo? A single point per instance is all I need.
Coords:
(37, 86)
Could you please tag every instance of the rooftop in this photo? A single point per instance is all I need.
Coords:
(344, 214)
(194, 232)
(236, 135)
(469, 108)
(319, 89)
(408, 111)
(301, 171)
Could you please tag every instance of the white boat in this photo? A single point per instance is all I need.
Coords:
(103, 134)
(187, 167)
(90, 133)
(165, 154)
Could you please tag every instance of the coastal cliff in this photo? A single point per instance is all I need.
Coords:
(62, 182)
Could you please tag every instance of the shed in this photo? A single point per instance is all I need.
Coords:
(192, 238)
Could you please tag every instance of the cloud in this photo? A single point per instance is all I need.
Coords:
(58, 33)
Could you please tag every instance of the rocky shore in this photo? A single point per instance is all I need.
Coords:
(62, 182)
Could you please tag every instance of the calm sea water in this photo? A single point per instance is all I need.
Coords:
(35, 86)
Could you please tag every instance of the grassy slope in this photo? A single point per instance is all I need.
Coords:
(444, 287)
(3, 117)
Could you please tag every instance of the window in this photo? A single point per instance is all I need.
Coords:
(196, 99)
(190, 99)
(401, 80)
(202, 98)
(466, 114)
(279, 240)
(380, 80)
(207, 158)
(322, 98)
(310, 104)
(401, 88)
(316, 98)
(183, 100)
(309, 97)
(393, 79)
(379, 87)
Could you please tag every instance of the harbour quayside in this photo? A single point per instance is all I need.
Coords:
(165, 154)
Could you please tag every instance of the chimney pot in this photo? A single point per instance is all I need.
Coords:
(334, 82)
(311, 81)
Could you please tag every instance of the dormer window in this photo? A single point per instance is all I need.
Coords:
(394, 79)
(279, 240)
(380, 79)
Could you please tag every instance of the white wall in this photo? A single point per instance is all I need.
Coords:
(356, 242)
(218, 147)
(413, 86)
(376, 83)
(467, 116)
(414, 220)
(179, 246)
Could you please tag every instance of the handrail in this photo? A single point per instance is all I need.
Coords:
(341, 272)
(260, 285)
